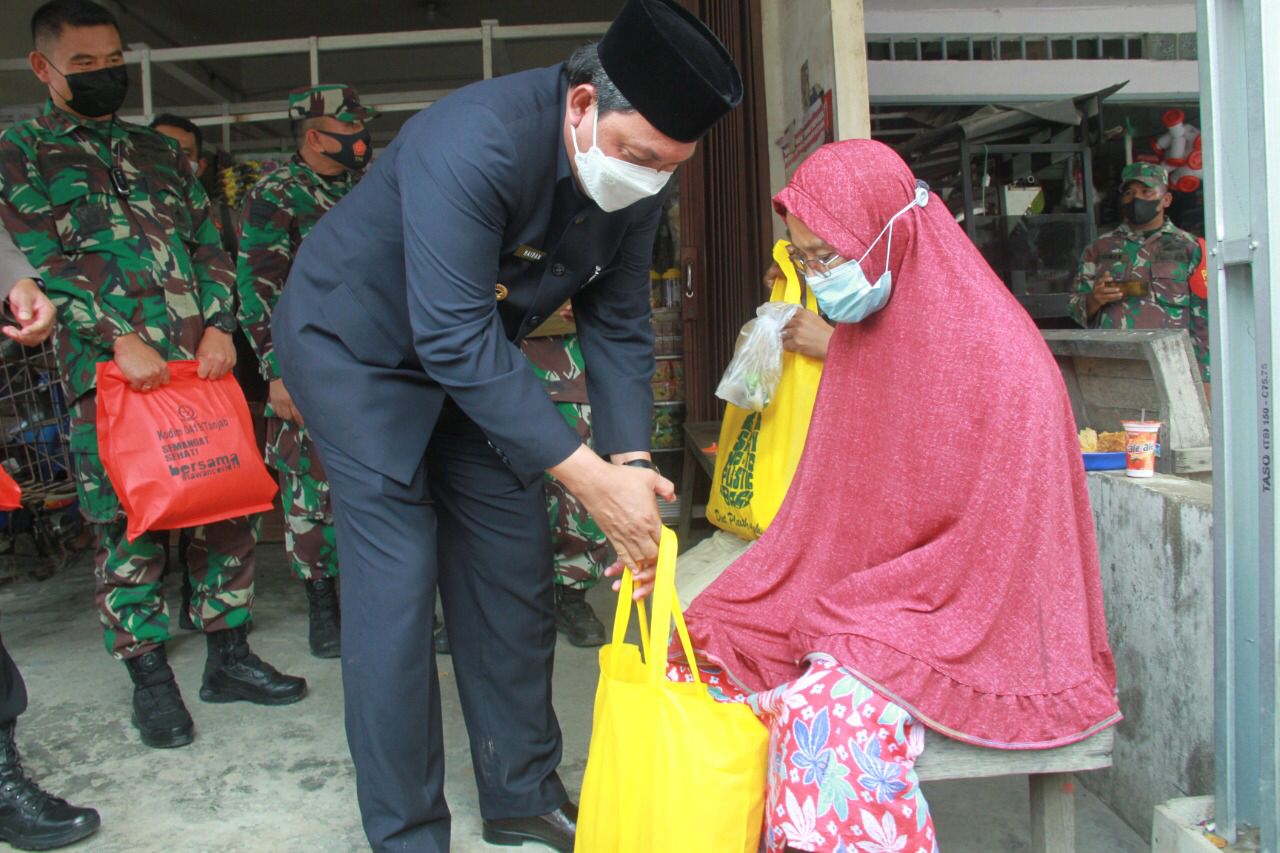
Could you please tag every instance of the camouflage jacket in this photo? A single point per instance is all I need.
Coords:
(1165, 260)
(145, 261)
(277, 215)
(557, 360)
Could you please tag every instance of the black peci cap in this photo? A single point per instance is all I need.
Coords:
(671, 68)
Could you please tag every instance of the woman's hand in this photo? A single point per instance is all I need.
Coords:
(807, 334)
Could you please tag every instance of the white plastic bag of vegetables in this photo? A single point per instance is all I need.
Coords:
(751, 378)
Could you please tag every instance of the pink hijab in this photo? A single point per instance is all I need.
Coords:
(937, 538)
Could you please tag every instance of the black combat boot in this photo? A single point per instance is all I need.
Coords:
(232, 672)
(158, 712)
(576, 619)
(325, 632)
(30, 817)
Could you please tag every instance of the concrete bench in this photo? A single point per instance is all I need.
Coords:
(1053, 827)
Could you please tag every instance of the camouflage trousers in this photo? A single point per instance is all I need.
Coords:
(304, 491)
(581, 552)
(131, 605)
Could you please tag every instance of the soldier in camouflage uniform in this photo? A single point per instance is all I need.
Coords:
(581, 552)
(278, 213)
(111, 215)
(1150, 257)
(190, 141)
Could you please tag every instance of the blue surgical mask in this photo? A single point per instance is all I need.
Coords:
(845, 295)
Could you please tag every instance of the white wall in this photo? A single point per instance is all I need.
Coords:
(1005, 81)
(934, 82)
(931, 16)
(827, 34)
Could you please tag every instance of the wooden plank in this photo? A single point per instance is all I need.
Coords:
(1192, 460)
(1115, 392)
(944, 758)
(1108, 418)
(1093, 349)
(1125, 368)
(702, 435)
(1053, 813)
(1069, 378)
(1178, 378)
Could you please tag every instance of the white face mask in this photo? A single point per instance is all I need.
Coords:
(612, 183)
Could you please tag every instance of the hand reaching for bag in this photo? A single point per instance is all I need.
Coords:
(621, 499)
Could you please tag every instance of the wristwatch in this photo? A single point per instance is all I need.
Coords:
(641, 463)
(223, 321)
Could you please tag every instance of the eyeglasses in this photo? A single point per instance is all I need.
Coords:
(820, 267)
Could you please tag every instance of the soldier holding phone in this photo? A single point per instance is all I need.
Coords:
(1139, 276)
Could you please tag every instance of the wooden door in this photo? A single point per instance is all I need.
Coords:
(725, 233)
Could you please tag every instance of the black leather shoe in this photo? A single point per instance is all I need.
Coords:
(556, 830)
(576, 619)
(158, 710)
(30, 817)
(325, 621)
(233, 673)
(441, 639)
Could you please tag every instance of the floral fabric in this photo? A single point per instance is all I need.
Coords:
(841, 759)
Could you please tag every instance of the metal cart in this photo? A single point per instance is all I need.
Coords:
(41, 537)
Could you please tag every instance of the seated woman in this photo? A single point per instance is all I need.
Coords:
(934, 563)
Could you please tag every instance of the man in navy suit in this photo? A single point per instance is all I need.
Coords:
(397, 336)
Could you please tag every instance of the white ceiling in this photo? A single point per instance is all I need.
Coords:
(174, 23)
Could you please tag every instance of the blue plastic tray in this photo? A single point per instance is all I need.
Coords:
(1104, 461)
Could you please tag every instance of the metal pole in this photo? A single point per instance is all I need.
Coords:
(313, 51)
(487, 26)
(1239, 87)
(147, 100)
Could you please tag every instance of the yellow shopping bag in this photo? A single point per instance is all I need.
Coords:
(758, 451)
(670, 770)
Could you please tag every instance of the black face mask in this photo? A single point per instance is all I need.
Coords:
(97, 93)
(1140, 211)
(356, 148)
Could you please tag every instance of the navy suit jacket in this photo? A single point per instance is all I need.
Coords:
(390, 304)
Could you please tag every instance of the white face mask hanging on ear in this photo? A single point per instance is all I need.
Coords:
(844, 294)
(612, 183)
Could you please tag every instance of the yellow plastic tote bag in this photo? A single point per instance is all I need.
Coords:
(758, 451)
(670, 770)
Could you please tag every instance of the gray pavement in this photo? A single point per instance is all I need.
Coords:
(280, 779)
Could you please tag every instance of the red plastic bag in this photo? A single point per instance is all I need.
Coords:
(10, 492)
(183, 454)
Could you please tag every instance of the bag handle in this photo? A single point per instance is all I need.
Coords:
(666, 608)
(622, 616)
(792, 288)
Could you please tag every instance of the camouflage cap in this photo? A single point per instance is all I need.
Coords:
(1152, 174)
(328, 99)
